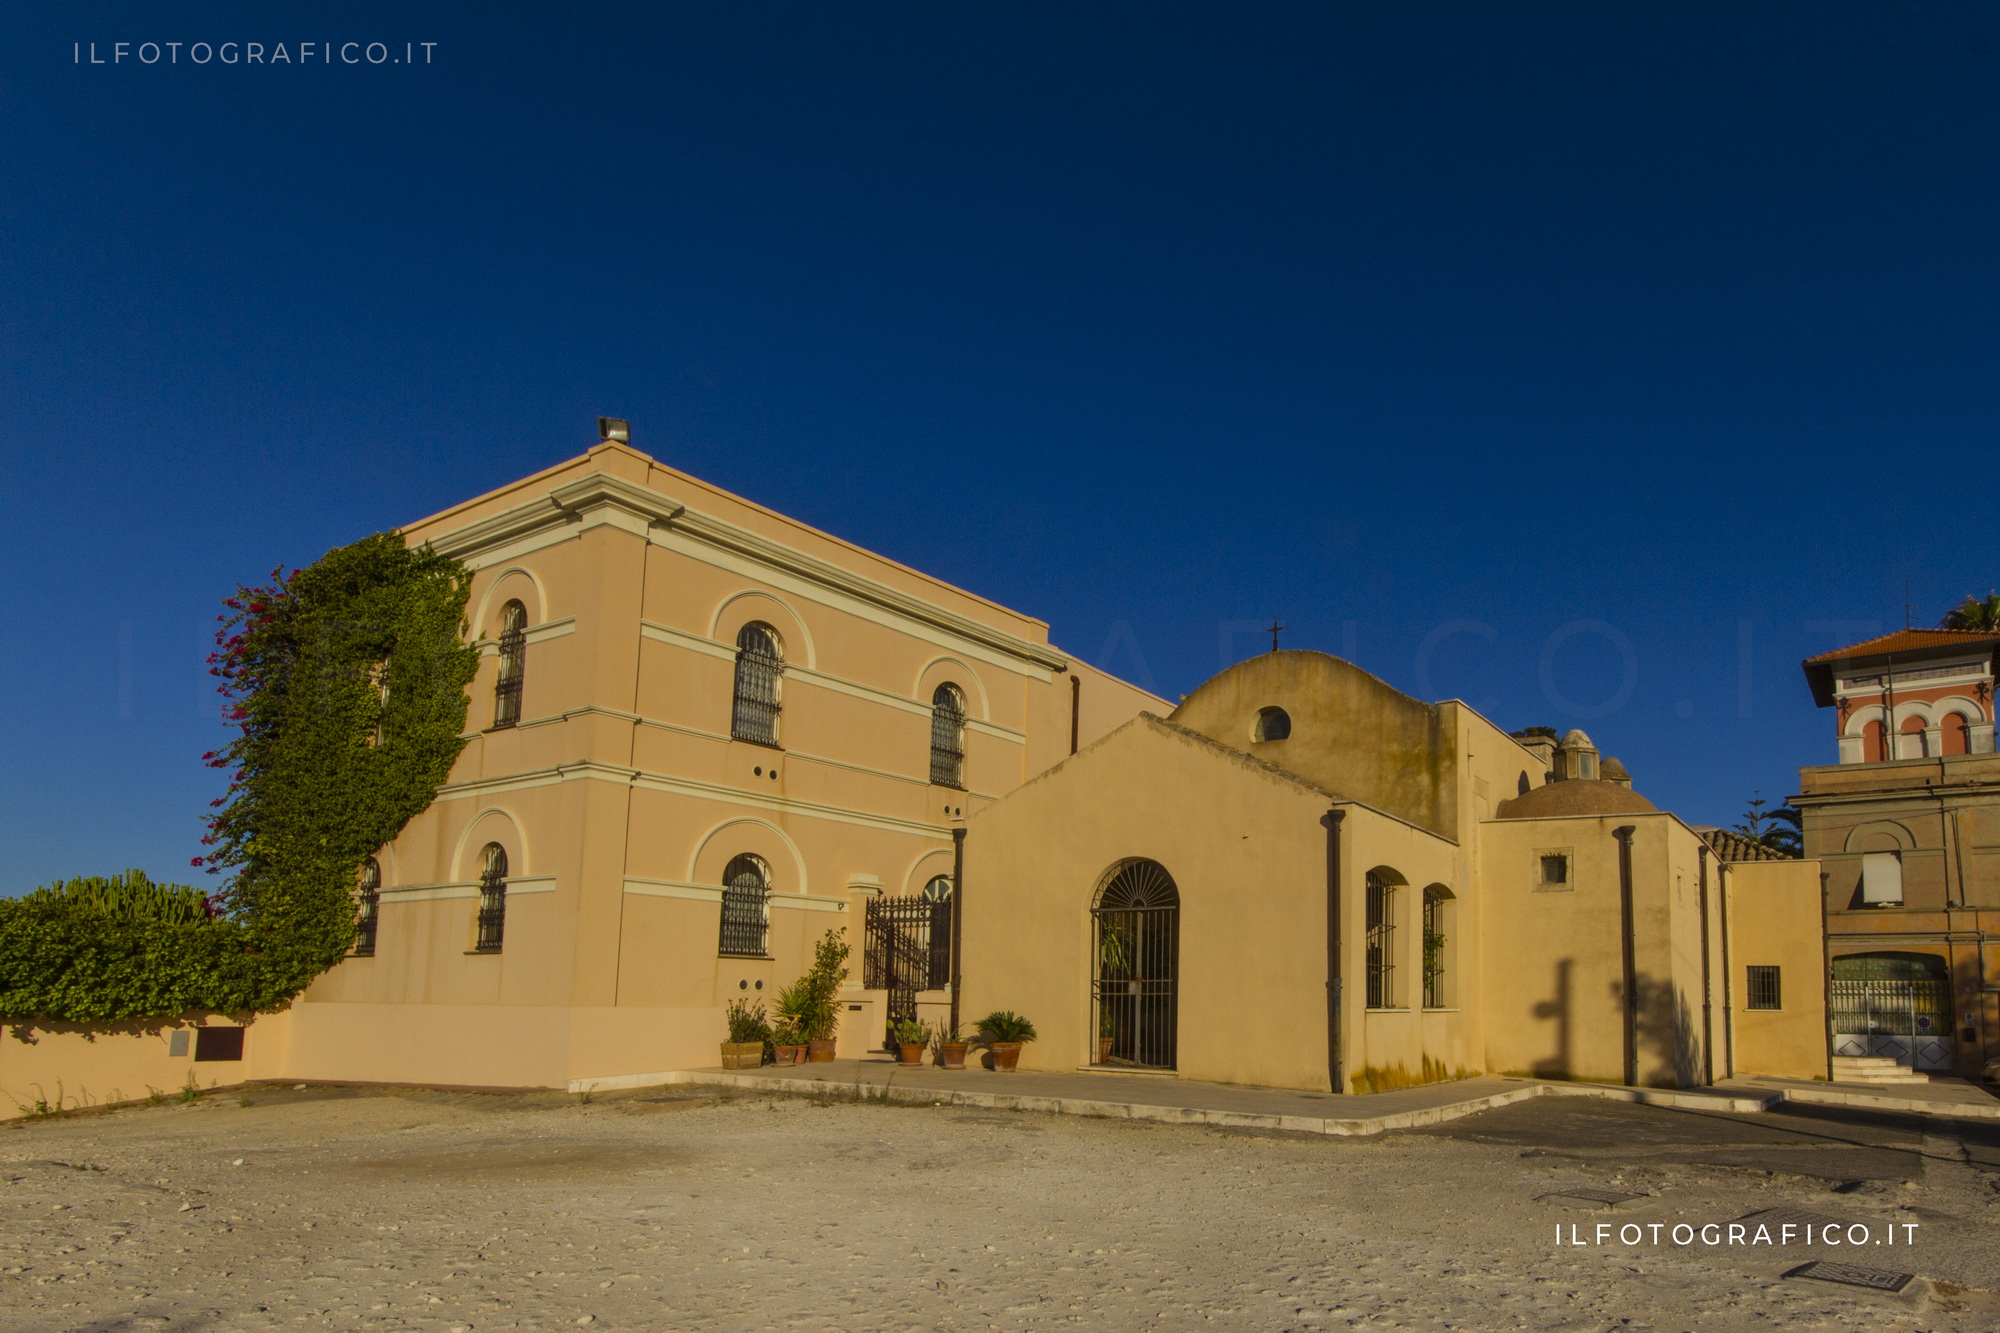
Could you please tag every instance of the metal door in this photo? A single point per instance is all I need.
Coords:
(1135, 991)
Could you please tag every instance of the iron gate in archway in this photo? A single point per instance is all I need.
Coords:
(1135, 989)
(906, 949)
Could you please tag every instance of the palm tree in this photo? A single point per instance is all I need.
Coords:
(1972, 613)
(1777, 829)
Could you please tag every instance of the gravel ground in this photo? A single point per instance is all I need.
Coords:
(678, 1209)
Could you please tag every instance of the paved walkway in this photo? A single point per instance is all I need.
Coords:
(1953, 1098)
(1183, 1101)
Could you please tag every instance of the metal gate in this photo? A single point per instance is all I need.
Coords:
(1136, 989)
(1907, 1020)
(907, 948)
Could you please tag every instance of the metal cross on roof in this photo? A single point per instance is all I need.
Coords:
(1273, 631)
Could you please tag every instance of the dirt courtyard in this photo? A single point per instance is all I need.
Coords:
(679, 1209)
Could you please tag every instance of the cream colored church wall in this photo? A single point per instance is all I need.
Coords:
(1774, 921)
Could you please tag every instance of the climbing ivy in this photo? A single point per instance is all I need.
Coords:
(347, 684)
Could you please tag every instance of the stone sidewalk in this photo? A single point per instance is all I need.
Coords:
(1953, 1098)
(1175, 1100)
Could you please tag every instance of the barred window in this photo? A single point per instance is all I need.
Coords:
(1437, 946)
(1273, 724)
(758, 666)
(368, 906)
(938, 889)
(1381, 943)
(1764, 988)
(948, 737)
(493, 899)
(1555, 869)
(746, 890)
(513, 664)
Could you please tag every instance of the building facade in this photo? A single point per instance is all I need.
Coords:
(1304, 878)
(1906, 828)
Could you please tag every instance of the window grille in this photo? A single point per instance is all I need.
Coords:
(758, 666)
(948, 737)
(1435, 943)
(1381, 944)
(513, 664)
(938, 889)
(746, 890)
(493, 900)
(368, 909)
(1764, 988)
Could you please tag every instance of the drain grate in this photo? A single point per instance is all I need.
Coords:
(1798, 1217)
(1853, 1275)
(1598, 1198)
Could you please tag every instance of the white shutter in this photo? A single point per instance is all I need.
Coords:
(1881, 877)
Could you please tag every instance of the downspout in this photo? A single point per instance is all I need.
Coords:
(1627, 949)
(1075, 710)
(1707, 985)
(1336, 1076)
(957, 917)
(1826, 975)
(1728, 990)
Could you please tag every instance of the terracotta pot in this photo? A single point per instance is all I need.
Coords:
(790, 1055)
(912, 1053)
(1104, 1050)
(954, 1055)
(742, 1054)
(1006, 1054)
(819, 1052)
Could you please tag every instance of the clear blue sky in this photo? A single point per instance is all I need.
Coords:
(1141, 318)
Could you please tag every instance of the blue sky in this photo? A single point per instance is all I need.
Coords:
(1544, 356)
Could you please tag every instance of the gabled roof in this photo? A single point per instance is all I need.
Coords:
(1903, 645)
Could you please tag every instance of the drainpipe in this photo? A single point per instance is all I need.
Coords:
(1707, 1021)
(1728, 990)
(957, 916)
(1335, 1074)
(1627, 948)
(1075, 710)
(1826, 974)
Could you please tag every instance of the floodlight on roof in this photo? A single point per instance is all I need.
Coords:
(614, 428)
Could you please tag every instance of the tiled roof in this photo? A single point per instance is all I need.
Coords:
(1910, 640)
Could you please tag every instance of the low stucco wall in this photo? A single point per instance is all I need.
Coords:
(1774, 921)
(76, 1065)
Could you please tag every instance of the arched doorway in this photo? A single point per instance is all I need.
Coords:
(1892, 1004)
(1135, 990)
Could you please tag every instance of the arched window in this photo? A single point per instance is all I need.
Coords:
(1273, 724)
(492, 899)
(938, 890)
(1438, 903)
(513, 664)
(1137, 986)
(368, 905)
(758, 665)
(1872, 737)
(1913, 744)
(746, 890)
(1955, 735)
(1381, 942)
(948, 737)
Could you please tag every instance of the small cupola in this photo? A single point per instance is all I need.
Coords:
(1576, 757)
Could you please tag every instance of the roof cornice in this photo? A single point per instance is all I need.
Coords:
(602, 497)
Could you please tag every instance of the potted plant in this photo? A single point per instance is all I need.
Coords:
(912, 1035)
(794, 1010)
(787, 1047)
(1005, 1032)
(822, 986)
(1107, 1032)
(748, 1030)
(950, 1046)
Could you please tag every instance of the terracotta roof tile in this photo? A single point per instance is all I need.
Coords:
(1909, 640)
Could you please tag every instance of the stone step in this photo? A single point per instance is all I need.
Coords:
(1873, 1069)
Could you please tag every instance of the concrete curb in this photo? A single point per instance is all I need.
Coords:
(1178, 1115)
(1877, 1101)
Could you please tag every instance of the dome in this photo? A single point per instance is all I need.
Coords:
(1578, 796)
(1612, 770)
(1574, 739)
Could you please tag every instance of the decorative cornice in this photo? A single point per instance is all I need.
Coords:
(602, 497)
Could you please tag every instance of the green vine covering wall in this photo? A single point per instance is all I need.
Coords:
(347, 681)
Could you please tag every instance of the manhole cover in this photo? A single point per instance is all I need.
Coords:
(1853, 1275)
(1798, 1217)
(1590, 1198)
